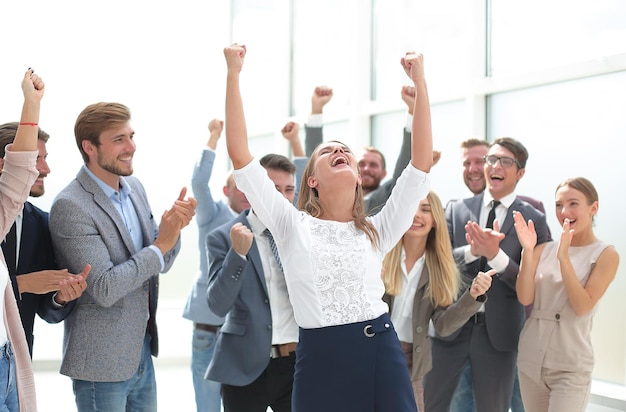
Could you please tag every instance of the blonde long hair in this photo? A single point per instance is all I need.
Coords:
(308, 201)
(444, 281)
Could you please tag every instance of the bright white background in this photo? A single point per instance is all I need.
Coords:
(557, 85)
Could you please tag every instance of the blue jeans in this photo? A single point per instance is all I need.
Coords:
(516, 398)
(137, 394)
(207, 392)
(8, 392)
(463, 400)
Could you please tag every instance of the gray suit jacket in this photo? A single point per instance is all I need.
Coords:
(238, 291)
(504, 315)
(445, 320)
(104, 334)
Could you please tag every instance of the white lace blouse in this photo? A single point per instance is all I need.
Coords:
(331, 268)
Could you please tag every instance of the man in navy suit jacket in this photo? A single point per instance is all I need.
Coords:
(33, 270)
(489, 339)
(254, 356)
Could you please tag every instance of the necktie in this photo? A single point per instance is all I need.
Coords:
(9, 247)
(490, 218)
(267, 233)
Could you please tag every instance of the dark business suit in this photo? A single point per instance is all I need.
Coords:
(489, 343)
(238, 290)
(36, 254)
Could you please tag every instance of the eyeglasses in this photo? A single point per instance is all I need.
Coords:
(505, 161)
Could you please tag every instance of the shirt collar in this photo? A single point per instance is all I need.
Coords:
(108, 190)
(506, 201)
(255, 223)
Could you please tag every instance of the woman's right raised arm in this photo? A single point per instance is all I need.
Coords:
(235, 121)
(421, 134)
(26, 135)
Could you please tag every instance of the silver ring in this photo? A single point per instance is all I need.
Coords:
(366, 331)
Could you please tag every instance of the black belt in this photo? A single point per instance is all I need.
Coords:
(206, 328)
(478, 318)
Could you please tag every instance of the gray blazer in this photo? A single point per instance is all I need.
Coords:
(504, 315)
(445, 320)
(104, 334)
(238, 290)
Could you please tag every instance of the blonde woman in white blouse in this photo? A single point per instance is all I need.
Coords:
(348, 356)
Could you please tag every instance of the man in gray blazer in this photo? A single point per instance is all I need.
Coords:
(103, 218)
(254, 356)
(489, 339)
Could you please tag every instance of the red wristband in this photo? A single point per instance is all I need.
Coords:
(28, 124)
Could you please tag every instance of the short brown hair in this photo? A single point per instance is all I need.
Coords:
(473, 142)
(515, 147)
(7, 135)
(278, 162)
(96, 118)
(372, 149)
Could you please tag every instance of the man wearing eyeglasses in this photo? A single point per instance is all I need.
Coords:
(482, 242)
(473, 154)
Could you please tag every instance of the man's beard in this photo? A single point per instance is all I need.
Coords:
(113, 168)
(37, 190)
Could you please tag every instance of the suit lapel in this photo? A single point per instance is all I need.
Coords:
(28, 232)
(424, 277)
(254, 256)
(474, 204)
(507, 226)
(107, 206)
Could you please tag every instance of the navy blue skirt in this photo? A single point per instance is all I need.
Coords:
(353, 367)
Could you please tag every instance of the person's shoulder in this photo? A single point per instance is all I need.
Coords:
(73, 188)
(463, 203)
(536, 203)
(33, 210)
(528, 208)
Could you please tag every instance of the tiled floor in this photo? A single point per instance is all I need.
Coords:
(174, 385)
(175, 391)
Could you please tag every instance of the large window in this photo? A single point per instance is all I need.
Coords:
(534, 35)
(441, 30)
(576, 129)
(550, 73)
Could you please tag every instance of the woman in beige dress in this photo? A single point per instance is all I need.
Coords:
(564, 280)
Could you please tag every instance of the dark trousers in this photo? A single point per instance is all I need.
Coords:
(493, 371)
(271, 389)
(354, 367)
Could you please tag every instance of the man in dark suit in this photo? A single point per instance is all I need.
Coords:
(254, 356)
(29, 255)
(473, 153)
(489, 339)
